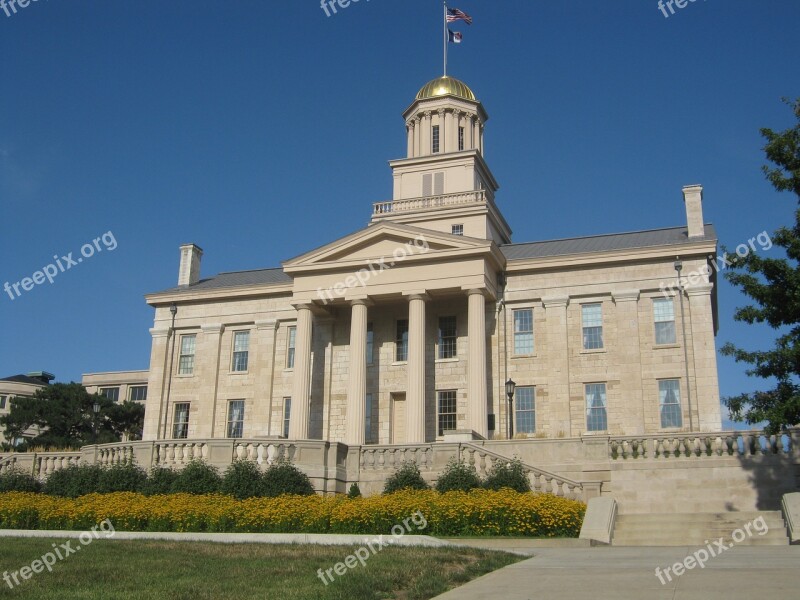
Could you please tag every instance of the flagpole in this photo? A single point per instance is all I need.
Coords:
(445, 37)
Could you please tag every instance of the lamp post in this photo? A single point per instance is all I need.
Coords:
(678, 268)
(510, 388)
(173, 309)
(95, 410)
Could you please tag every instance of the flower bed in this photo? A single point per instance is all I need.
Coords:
(475, 513)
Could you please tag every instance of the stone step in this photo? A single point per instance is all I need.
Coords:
(743, 517)
(699, 542)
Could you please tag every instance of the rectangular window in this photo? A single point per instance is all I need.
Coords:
(138, 393)
(370, 343)
(3, 402)
(433, 184)
(287, 411)
(401, 341)
(596, 416)
(186, 360)
(460, 138)
(523, 331)
(447, 411)
(241, 350)
(458, 230)
(180, 424)
(664, 315)
(592, 326)
(438, 183)
(290, 345)
(669, 394)
(368, 419)
(112, 393)
(435, 149)
(235, 418)
(447, 337)
(525, 399)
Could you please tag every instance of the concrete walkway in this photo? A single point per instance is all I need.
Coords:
(629, 574)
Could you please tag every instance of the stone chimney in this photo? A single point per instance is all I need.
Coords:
(190, 264)
(693, 197)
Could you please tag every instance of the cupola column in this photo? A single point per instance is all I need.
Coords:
(449, 129)
(410, 130)
(425, 142)
(477, 140)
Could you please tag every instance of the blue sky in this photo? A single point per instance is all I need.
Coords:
(228, 124)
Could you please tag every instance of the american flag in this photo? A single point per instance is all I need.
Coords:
(453, 15)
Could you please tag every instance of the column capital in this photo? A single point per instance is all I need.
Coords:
(440, 111)
(212, 328)
(456, 112)
(300, 305)
(362, 300)
(159, 332)
(625, 295)
(555, 301)
(703, 289)
(472, 291)
(427, 113)
(267, 324)
(417, 295)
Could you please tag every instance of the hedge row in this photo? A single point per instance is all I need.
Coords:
(476, 513)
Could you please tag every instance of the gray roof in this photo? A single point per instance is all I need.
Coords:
(604, 243)
(599, 243)
(23, 379)
(236, 279)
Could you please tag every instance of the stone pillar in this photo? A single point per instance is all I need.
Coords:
(558, 367)
(456, 125)
(415, 396)
(155, 412)
(417, 136)
(207, 360)
(266, 332)
(632, 416)
(425, 141)
(301, 387)
(476, 365)
(410, 130)
(442, 131)
(705, 392)
(477, 142)
(357, 391)
(469, 131)
(449, 129)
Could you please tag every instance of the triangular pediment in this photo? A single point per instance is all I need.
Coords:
(387, 241)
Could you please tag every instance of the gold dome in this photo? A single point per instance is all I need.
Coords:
(444, 86)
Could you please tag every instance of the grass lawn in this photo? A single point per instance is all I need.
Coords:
(109, 569)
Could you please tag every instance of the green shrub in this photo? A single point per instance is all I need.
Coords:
(123, 477)
(407, 477)
(354, 491)
(509, 474)
(197, 477)
(159, 481)
(73, 481)
(282, 477)
(16, 480)
(458, 476)
(242, 480)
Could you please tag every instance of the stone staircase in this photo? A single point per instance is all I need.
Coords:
(700, 529)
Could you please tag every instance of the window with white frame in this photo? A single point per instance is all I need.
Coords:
(525, 398)
(235, 418)
(287, 411)
(592, 317)
(3, 400)
(448, 339)
(241, 351)
(186, 359)
(435, 140)
(447, 404)
(112, 393)
(596, 415)
(370, 344)
(180, 422)
(401, 341)
(368, 419)
(669, 396)
(291, 339)
(523, 331)
(664, 317)
(137, 393)
(457, 229)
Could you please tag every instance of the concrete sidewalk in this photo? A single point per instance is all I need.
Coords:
(629, 574)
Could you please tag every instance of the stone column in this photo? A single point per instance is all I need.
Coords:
(425, 141)
(477, 142)
(703, 358)
(558, 366)
(456, 125)
(357, 391)
(476, 365)
(410, 130)
(442, 131)
(266, 332)
(469, 131)
(632, 417)
(155, 412)
(301, 387)
(417, 136)
(448, 133)
(415, 396)
(208, 360)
